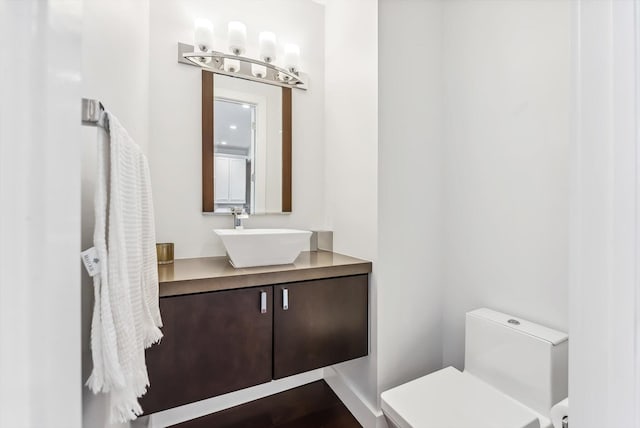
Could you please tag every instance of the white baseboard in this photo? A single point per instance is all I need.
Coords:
(222, 402)
(367, 415)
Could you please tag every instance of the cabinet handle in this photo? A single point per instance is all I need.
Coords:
(285, 299)
(263, 302)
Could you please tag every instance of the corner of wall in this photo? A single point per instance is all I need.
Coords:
(410, 192)
(351, 155)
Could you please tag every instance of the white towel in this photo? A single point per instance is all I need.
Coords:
(126, 315)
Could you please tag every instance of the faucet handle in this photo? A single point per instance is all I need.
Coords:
(239, 212)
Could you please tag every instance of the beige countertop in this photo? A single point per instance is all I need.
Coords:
(187, 276)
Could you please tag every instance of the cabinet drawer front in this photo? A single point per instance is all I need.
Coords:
(325, 322)
(213, 343)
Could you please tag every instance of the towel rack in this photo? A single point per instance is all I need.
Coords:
(93, 114)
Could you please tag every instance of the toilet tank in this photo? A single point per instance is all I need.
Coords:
(526, 361)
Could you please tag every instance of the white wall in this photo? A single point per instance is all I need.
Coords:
(410, 286)
(115, 70)
(175, 115)
(472, 171)
(40, 222)
(351, 154)
(506, 162)
(604, 357)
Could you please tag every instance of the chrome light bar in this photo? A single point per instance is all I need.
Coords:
(242, 67)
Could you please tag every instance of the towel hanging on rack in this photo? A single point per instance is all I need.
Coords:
(126, 316)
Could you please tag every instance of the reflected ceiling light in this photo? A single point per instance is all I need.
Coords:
(234, 127)
(262, 70)
(224, 143)
(237, 37)
(245, 106)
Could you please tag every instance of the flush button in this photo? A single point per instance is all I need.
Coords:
(514, 322)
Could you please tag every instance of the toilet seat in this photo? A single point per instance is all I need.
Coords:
(449, 398)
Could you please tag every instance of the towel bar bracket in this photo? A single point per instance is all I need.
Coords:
(92, 113)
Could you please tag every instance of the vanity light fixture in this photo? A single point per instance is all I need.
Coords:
(235, 64)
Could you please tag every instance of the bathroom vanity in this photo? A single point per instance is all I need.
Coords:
(226, 329)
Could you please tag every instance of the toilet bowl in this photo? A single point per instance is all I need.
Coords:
(515, 371)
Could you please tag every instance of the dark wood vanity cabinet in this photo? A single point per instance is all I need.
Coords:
(222, 341)
(213, 343)
(319, 323)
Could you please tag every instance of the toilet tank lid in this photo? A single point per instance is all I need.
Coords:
(538, 331)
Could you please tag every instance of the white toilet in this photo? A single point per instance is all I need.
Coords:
(515, 371)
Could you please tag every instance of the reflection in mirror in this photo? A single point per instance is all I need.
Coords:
(247, 139)
(234, 134)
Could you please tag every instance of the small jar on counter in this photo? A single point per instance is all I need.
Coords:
(164, 251)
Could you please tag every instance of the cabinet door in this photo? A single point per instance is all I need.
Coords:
(213, 343)
(221, 179)
(237, 180)
(326, 322)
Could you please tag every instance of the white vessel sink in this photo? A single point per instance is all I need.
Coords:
(263, 247)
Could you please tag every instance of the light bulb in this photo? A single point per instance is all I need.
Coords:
(231, 65)
(267, 41)
(237, 37)
(259, 70)
(203, 35)
(292, 57)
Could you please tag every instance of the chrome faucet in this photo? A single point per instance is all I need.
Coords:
(239, 214)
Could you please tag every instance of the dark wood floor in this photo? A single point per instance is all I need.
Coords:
(309, 406)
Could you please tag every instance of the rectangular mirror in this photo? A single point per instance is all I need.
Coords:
(246, 145)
